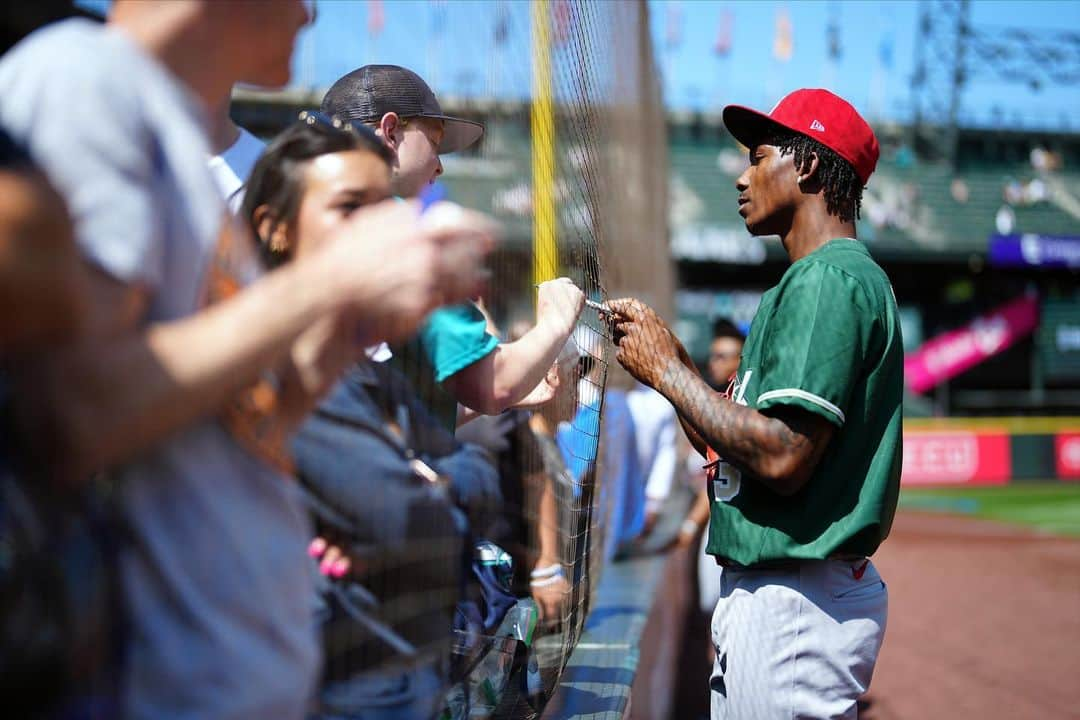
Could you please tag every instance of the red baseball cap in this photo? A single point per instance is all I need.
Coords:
(818, 114)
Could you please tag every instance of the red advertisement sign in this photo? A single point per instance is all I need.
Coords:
(951, 353)
(1067, 452)
(956, 458)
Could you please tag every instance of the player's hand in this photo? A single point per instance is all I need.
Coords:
(646, 347)
(559, 302)
(684, 356)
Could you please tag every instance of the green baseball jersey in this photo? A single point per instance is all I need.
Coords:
(827, 340)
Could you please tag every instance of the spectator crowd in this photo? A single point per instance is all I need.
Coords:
(264, 454)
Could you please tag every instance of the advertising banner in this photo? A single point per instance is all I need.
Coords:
(1059, 341)
(1067, 453)
(956, 458)
(951, 353)
(1030, 250)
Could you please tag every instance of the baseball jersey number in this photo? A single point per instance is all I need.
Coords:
(726, 483)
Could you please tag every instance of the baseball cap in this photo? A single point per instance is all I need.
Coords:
(369, 92)
(815, 113)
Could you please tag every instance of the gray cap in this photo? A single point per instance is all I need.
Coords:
(368, 93)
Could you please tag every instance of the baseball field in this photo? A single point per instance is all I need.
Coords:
(984, 616)
(1051, 507)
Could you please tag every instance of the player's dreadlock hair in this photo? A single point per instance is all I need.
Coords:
(843, 190)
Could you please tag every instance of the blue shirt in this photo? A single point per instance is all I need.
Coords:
(452, 339)
(620, 482)
(216, 577)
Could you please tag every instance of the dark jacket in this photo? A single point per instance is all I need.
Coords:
(404, 533)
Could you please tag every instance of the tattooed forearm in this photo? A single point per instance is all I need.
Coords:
(692, 435)
(780, 451)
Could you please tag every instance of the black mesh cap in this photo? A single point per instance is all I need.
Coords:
(368, 93)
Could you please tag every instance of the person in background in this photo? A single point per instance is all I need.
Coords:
(61, 642)
(36, 252)
(390, 490)
(655, 426)
(618, 479)
(454, 359)
(219, 628)
(619, 473)
(235, 153)
(725, 348)
(533, 478)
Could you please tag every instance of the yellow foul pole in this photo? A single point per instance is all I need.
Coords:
(542, 123)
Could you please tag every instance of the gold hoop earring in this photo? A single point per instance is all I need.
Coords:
(278, 242)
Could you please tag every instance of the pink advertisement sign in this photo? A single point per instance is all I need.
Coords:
(951, 353)
(956, 458)
(1067, 450)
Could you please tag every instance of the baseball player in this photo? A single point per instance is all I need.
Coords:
(805, 448)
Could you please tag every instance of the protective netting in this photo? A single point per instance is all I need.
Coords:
(573, 163)
(574, 175)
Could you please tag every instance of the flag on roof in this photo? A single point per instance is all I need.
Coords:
(438, 16)
(561, 19)
(724, 32)
(784, 42)
(502, 24)
(376, 19)
(832, 33)
(885, 50)
(673, 26)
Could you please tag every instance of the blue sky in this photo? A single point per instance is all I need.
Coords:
(697, 77)
(451, 43)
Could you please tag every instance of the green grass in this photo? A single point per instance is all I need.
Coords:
(1051, 507)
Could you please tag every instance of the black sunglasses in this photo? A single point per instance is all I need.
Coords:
(333, 122)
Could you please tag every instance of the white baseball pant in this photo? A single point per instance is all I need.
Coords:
(796, 642)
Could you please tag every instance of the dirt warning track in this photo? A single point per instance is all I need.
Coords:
(984, 622)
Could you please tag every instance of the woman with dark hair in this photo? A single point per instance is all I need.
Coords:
(313, 174)
(392, 494)
(304, 187)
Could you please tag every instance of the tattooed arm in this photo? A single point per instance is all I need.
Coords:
(691, 434)
(780, 448)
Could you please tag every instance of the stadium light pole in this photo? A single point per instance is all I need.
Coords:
(951, 52)
(959, 78)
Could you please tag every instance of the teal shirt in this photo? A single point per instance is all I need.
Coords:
(452, 339)
(827, 340)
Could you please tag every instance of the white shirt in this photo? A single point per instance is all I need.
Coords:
(232, 168)
(655, 422)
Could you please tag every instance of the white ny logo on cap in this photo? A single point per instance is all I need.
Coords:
(816, 125)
